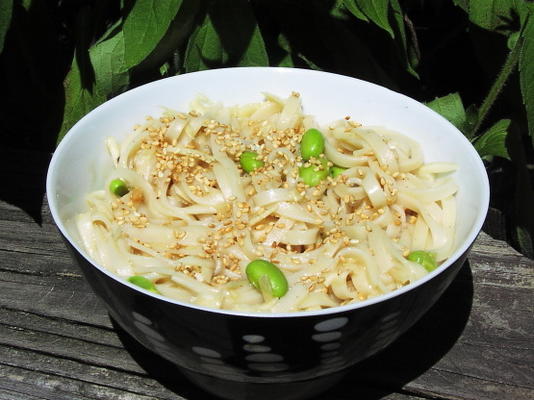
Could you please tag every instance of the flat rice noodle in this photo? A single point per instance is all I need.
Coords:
(296, 212)
(274, 196)
(300, 237)
(373, 190)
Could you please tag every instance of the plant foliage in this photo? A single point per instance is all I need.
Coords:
(469, 60)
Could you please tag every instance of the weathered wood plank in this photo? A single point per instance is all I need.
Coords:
(469, 371)
(85, 371)
(57, 296)
(350, 391)
(64, 347)
(31, 384)
(25, 237)
(61, 327)
(24, 263)
(458, 387)
(10, 394)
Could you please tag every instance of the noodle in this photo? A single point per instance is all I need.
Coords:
(193, 219)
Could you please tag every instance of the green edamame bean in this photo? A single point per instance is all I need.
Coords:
(249, 161)
(311, 144)
(144, 283)
(118, 187)
(310, 176)
(259, 268)
(335, 171)
(425, 258)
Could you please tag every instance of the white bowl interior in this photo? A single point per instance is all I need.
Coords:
(80, 162)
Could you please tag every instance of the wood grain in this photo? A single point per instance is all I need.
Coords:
(57, 341)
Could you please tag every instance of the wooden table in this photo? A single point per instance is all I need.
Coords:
(58, 342)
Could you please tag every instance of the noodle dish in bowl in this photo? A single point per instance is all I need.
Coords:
(327, 208)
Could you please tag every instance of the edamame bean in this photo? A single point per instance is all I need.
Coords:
(249, 161)
(118, 187)
(425, 258)
(144, 283)
(311, 144)
(335, 171)
(310, 176)
(259, 268)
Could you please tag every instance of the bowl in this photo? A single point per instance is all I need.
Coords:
(239, 355)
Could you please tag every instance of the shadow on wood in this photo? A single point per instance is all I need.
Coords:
(411, 355)
(160, 369)
(417, 350)
(24, 180)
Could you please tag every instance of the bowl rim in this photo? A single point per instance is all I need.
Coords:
(458, 253)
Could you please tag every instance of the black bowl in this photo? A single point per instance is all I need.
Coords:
(239, 355)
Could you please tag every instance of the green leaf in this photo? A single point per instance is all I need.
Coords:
(496, 15)
(287, 60)
(204, 48)
(108, 61)
(471, 120)
(463, 4)
(526, 73)
(145, 25)
(376, 11)
(484, 13)
(400, 37)
(170, 46)
(6, 11)
(388, 15)
(109, 77)
(354, 8)
(493, 141)
(26, 4)
(106, 72)
(451, 107)
(228, 36)
(512, 40)
(78, 99)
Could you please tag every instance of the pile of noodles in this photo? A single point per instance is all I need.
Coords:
(193, 219)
